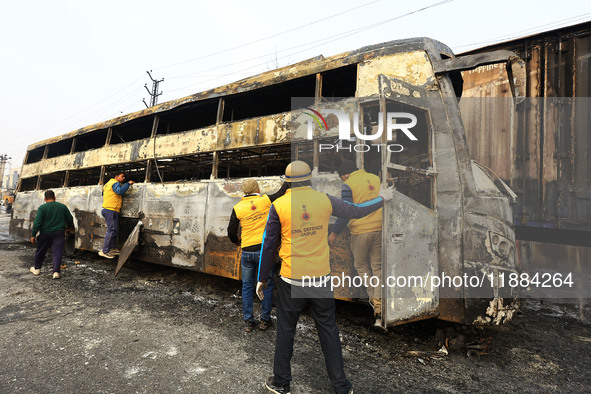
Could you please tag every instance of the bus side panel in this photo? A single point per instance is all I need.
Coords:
(411, 261)
(173, 232)
(23, 213)
(221, 257)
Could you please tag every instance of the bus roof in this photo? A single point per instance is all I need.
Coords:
(268, 78)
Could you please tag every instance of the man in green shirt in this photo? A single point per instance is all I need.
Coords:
(51, 221)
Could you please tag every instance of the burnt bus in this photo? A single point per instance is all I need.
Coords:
(450, 217)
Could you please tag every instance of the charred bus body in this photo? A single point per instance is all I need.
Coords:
(450, 215)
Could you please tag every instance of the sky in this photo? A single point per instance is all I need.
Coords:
(67, 64)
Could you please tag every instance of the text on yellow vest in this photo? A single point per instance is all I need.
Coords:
(304, 215)
(252, 211)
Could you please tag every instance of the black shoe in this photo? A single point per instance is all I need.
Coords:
(264, 324)
(274, 387)
(248, 326)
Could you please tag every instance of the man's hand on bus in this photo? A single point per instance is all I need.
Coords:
(260, 287)
(331, 238)
(131, 182)
(387, 193)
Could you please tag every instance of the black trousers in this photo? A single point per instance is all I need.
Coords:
(291, 301)
(56, 240)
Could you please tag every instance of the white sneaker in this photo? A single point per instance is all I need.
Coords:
(35, 271)
(106, 255)
(378, 322)
(56, 275)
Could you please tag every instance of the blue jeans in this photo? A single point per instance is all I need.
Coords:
(112, 219)
(250, 266)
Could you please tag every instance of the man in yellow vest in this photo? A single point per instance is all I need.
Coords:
(298, 224)
(113, 192)
(366, 233)
(251, 215)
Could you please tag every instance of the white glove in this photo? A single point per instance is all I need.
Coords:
(260, 287)
(387, 193)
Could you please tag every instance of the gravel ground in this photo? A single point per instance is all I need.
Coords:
(154, 329)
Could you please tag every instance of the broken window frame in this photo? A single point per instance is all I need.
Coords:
(318, 85)
(408, 178)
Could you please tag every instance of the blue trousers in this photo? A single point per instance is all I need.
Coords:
(250, 266)
(56, 240)
(112, 219)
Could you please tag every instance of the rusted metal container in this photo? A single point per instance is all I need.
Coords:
(543, 153)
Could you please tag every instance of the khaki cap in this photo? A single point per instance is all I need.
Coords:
(298, 171)
(250, 186)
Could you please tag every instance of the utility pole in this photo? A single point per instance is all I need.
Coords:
(3, 160)
(154, 93)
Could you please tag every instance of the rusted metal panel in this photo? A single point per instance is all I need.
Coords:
(128, 247)
(27, 203)
(221, 256)
(454, 214)
(469, 62)
(256, 131)
(411, 67)
(23, 213)
(173, 217)
(549, 153)
(413, 237)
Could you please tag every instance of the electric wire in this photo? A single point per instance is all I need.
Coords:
(268, 37)
(519, 34)
(324, 41)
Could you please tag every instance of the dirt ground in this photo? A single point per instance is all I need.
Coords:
(156, 329)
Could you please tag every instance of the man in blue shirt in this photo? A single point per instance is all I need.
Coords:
(113, 192)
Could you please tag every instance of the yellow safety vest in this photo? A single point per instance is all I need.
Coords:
(111, 200)
(365, 187)
(304, 214)
(252, 211)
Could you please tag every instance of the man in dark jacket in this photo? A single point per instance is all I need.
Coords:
(51, 221)
(298, 226)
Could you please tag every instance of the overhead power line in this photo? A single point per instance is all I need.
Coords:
(268, 37)
(323, 41)
(61, 121)
(535, 29)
